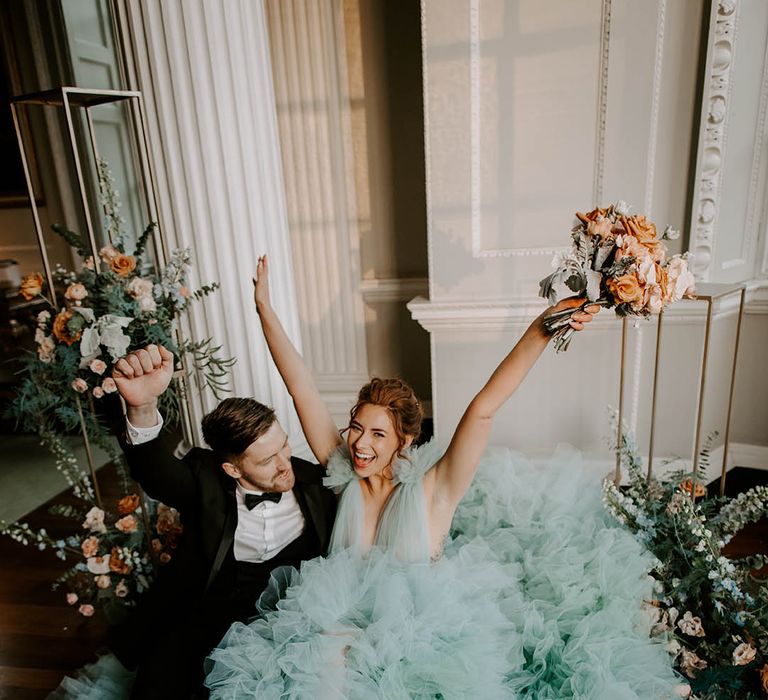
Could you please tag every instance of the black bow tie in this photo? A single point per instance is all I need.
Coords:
(253, 499)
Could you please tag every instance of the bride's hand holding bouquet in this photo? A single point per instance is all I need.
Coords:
(616, 260)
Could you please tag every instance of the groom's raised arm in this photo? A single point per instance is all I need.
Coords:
(141, 377)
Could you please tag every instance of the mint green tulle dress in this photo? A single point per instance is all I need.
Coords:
(536, 595)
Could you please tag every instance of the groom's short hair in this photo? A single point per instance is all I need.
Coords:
(236, 423)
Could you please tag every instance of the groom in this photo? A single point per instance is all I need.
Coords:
(247, 507)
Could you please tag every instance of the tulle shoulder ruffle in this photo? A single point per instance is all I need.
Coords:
(538, 595)
(415, 462)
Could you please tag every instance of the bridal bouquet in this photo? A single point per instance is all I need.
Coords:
(619, 261)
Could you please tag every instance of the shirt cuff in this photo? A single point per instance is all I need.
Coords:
(137, 436)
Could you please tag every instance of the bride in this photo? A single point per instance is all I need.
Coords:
(440, 584)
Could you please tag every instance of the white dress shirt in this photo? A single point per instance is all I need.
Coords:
(260, 533)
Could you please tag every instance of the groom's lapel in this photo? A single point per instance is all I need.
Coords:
(229, 523)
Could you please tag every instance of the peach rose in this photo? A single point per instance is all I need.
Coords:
(31, 286)
(690, 663)
(639, 227)
(680, 279)
(121, 590)
(127, 524)
(80, 385)
(98, 392)
(90, 545)
(167, 520)
(594, 215)
(629, 246)
(165, 558)
(122, 265)
(61, 330)
(157, 545)
(86, 610)
(118, 565)
(76, 292)
(109, 386)
(128, 504)
(600, 227)
(626, 290)
(88, 263)
(764, 678)
(71, 598)
(103, 581)
(744, 654)
(97, 366)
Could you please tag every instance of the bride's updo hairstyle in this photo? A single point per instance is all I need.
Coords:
(401, 403)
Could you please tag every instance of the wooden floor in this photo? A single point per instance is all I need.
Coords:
(42, 638)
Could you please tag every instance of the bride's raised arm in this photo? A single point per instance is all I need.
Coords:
(455, 470)
(315, 418)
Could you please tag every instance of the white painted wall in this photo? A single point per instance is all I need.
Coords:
(535, 110)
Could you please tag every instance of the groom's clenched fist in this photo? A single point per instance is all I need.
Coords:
(141, 376)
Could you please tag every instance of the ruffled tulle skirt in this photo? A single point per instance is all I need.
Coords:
(537, 595)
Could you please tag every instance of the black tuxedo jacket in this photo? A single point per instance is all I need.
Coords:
(203, 493)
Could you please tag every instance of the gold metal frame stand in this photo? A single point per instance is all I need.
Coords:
(71, 99)
(708, 293)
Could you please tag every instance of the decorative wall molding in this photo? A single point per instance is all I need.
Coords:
(511, 315)
(757, 199)
(712, 134)
(650, 167)
(475, 130)
(394, 289)
(602, 103)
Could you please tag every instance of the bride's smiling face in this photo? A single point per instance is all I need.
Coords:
(372, 440)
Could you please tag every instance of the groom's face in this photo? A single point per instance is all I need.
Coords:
(266, 464)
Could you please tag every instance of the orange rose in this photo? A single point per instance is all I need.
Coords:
(60, 329)
(687, 486)
(661, 280)
(594, 215)
(127, 505)
(626, 289)
(90, 546)
(639, 227)
(31, 286)
(764, 678)
(118, 565)
(122, 264)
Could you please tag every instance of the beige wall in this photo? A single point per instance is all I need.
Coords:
(384, 68)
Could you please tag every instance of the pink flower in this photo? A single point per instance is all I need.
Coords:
(98, 565)
(97, 366)
(109, 386)
(46, 349)
(98, 392)
(127, 524)
(80, 385)
(76, 292)
(90, 545)
(121, 590)
(71, 598)
(94, 520)
(103, 581)
(108, 253)
(86, 610)
(147, 305)
(140, 288)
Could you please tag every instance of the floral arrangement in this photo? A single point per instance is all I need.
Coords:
(616, 260)
(711, 611)
(111, 306)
